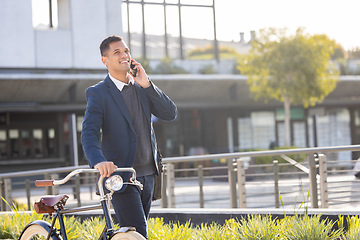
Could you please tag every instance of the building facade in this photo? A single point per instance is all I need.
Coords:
(44, 72)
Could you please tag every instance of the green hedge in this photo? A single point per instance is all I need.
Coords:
(302, 227)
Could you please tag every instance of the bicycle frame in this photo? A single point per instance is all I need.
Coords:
(104, 198)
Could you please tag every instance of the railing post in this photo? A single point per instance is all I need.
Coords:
(48, 190)
(2, 206)
(5, 187)
(313, 181)
(55, 189)
(241, 183)
(201, 185)
(232, 183)
(276, 183)
(90, 180)
(28, 193)
(323, 181)
(77, 190)
(170, 185)
(164, 203)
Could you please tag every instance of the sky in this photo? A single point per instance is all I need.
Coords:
(337, 19)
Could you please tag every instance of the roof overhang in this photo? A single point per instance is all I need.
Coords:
(66, 92)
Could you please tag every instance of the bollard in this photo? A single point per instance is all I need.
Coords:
(201, 185)
(232, 184)
(276, 183)
(28, 194)
(170, 185)
(323, 181)
(241, 183)
(313, 181)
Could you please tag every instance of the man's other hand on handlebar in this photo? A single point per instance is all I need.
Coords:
(106, 168)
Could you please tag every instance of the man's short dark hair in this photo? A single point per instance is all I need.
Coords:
(104, 46)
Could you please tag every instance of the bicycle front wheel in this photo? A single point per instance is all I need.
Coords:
(37, 230)
(130, 235)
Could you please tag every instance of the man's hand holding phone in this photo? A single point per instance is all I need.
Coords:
(139, 74)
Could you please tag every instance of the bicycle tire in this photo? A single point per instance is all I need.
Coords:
(130, 235)
(36, 231)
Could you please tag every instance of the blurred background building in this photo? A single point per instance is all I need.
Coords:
(45, 70)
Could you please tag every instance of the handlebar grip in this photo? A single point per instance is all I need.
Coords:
(44, 183)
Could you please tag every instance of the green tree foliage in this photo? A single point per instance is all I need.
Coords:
(294, 69)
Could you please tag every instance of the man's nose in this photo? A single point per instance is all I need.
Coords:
(123, 55)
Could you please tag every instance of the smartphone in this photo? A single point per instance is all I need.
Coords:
(133, 70)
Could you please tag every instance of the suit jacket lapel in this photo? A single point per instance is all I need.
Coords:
(116, 94)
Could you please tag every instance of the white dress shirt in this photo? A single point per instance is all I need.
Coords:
(119, 84)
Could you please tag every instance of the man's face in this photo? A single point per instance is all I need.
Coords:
(117, 57)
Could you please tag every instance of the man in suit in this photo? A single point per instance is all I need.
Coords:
(117, 129)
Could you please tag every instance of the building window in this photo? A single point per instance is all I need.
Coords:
(45, 14)
(27, 143)
(256, 131)
(38, 143)
(3, 139)
(25, 146)
(14, 142)
(50, 142)
(333, 129)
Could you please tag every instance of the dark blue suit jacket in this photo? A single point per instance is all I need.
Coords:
(108, 133)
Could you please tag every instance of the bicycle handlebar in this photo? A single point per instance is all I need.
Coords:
(46, 183)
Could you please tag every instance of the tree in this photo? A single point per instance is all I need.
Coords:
(293, 69)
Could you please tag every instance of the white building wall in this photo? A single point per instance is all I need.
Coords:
(53, 49)
(16, 34)
(83, 24)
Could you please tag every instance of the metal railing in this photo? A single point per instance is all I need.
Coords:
(316, 161)
(243, 181)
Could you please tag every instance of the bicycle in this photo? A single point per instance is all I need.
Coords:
(41, 229)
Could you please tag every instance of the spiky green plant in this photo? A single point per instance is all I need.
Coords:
(353, 232)
(91, 228)
(157, 228)
(72, 224)
(257, 227)
(179, 231)
(309, 228)
(212, 232)
(232, 228)
(13, 223)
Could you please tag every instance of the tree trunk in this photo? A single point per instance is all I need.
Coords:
(287, 104)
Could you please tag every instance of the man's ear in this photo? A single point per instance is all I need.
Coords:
(104, 60)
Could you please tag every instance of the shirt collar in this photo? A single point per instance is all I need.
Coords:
(119, 84)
